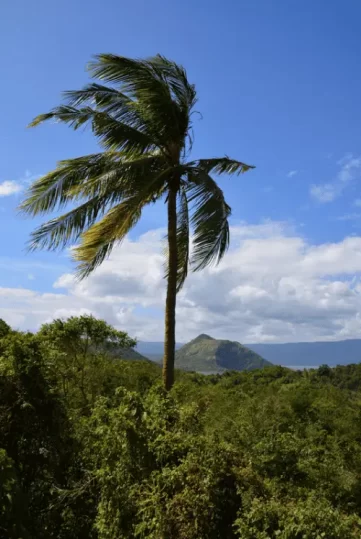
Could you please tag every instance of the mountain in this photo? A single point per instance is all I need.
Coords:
(311, 354)
(208, 355)
(126, 353)
(300, 354)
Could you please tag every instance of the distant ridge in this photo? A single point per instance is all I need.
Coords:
(127, 353)
(205, 354)
(300, 354)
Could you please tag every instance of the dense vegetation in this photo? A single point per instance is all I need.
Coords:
(92, 446)
(207, 355)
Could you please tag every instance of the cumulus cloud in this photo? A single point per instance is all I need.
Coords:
(8, 188)
(272, 286)
(350, 169)
(292, 173)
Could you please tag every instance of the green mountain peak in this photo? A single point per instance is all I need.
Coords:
(205, 354)
(202, 337)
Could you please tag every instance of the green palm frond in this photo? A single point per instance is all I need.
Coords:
(209, 220)
(103, 182)
(182, 240)
(176, 76)
(55, 189)
(142, 119)
(119, 136)
(112, 134)
(101, 96)
(123, 178)
(66, 229)
(152, 84)
(221, 165)
(67, 114)
(97, 242)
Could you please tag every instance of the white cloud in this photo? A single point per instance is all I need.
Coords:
(326, 192)
(272, 286)
(357, 202)
(12, 187)
(350, 169)
(292, 173)
(8, 188)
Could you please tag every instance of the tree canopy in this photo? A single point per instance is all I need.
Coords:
(267, 454)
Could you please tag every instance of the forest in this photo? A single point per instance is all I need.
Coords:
(93, 446)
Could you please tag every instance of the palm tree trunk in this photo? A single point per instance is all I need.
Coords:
(169, 341)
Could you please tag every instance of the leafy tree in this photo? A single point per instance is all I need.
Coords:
(35, 442)
(77, 350)
(143, 121)
(4, 328)
(159, 477)
(11, 501)
(266, 454)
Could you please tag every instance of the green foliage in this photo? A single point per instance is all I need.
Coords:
(11, 501)
(264, 454)
(142, 119)
(4, 328)
(312, 518)
(35, 435)
(78, 355)
(159, 477)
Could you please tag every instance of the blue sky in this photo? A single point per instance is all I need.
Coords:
(279, 87)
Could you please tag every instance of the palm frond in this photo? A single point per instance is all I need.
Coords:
(97, 94)
(66, 114)
(66, 229)
(221, 165)
(145, 82)
(98, 241)
(123, 178)
(54, 190)
(119, 136)
(58, 187)
(182, 91)
(209, 220)
(103, 182)
(182, 240)
(111, 133)
(114, 103)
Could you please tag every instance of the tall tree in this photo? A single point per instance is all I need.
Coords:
(143, 122)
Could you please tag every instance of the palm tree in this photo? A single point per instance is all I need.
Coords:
(143, 121)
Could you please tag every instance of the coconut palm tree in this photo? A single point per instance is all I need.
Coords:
(142, 119)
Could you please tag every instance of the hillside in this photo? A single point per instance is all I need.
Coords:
(126, 353)
(208, 355)
(299, 354)
(130, 353)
